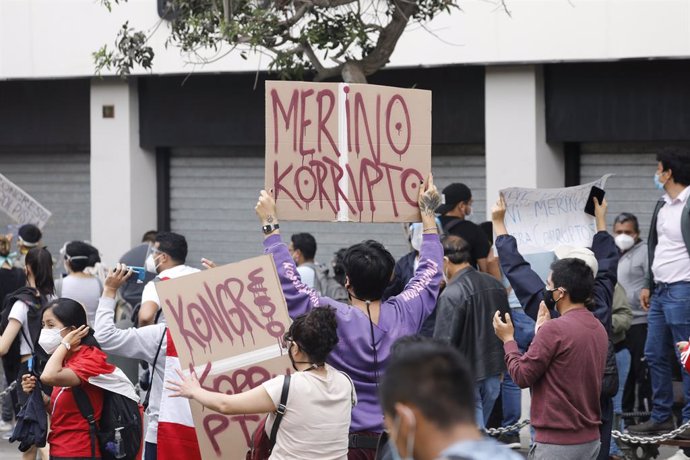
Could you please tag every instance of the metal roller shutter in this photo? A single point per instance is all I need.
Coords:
(632, 188)
(213, 193)
(60, 181)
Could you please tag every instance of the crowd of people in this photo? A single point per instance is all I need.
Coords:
(415, 358)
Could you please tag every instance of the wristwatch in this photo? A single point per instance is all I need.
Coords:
(67, 345)
(270, 228)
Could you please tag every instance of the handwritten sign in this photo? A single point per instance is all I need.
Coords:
(20, 206)
(228, 323)
(543, 219)
(346, 152)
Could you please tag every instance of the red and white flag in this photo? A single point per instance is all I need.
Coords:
(176, 433)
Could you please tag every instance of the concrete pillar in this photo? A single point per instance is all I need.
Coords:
(123, 175)
(517, 154)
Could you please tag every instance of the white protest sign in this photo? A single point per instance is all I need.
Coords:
(20, 206)
(543, 219)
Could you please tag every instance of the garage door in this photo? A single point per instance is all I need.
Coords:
(213, 194)
(60, 182)
(632, 188)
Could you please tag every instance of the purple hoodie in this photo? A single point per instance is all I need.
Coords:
(400, 316)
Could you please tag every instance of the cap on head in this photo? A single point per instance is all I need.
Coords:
(452, 195)
(584, 254)
(29, 235)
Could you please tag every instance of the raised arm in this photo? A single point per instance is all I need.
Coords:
(526, 284)
(606, 253)
(134, 343)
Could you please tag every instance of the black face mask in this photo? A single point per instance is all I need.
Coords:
(548, 298)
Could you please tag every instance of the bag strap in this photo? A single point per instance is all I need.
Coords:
(86, 409)
(451, 225)
(31, 345)
(153, 370)
(280, 411)
(353, 392)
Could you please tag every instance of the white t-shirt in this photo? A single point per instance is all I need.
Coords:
(20, 312)
(151, 295)
(317, 420)
(307, 275)
(86, 291)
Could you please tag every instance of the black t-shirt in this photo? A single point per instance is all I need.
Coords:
(10, 280)
(470, 232)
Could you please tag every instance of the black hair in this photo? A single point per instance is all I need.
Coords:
(575, 276)
(40, 262)
(30, 233)
(369, 267)
(306, 243)
(72, 314)
(316, 333)
(488, 229)
(339, 266)
(80, 255)
(149, 237)
(456, 249)
(627, 217)
(677, 159)
(435, 378)
(174, 245)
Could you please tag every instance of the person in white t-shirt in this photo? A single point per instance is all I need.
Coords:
(302, 248)
(167, 260)
(320, 398)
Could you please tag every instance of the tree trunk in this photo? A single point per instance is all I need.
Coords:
(352, 73)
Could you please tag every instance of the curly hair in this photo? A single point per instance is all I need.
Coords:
(316, 333)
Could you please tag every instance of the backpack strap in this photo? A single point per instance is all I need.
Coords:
(353, 393)
(153, 370)
(86, 409)
(280, 411)
(451, 225)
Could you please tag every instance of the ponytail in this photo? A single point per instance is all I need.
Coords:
(40, 262)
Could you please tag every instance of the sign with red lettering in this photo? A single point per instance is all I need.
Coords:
(346, 152)
(228, 323)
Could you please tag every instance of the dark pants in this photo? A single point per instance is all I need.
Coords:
(150, 451)
(637, 395)
(605, 427)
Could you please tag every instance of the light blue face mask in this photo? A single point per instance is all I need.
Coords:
(657, 182)
(395, 455)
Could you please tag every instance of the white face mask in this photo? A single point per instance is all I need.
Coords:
(151, 265)
(409, 444)
(624, 242)
(50, 339)
(416, 231)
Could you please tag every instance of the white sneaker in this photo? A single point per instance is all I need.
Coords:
(5, 426)
(679, 455)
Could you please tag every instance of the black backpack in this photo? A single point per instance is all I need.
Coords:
(118, 432)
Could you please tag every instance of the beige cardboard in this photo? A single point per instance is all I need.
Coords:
(346, 152)
(219, 314)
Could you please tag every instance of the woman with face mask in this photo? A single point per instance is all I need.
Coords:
(75, 360)
(21, 323)
(320, 398)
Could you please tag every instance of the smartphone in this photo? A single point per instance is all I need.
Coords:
(140, 273)
(597, 193)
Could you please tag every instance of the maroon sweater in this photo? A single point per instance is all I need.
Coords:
(564, 367)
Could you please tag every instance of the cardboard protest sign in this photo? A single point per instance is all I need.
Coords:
(543, 219)
(346, 152)
(228, 323)
(20, 206)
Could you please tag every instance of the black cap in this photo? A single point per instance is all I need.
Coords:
(30, 235)
(452, 195)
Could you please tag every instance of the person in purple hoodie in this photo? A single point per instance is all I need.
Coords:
(367, 328)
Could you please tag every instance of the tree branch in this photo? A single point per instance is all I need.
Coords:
(295, 18)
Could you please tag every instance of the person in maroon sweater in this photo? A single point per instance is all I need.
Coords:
(564, 366)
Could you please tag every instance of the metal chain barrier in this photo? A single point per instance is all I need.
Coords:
(11, 387)
(506, 429)
(629, 438)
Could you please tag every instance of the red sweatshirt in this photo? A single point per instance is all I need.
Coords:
(564, 367)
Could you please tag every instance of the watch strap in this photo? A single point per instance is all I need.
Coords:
(270, 228)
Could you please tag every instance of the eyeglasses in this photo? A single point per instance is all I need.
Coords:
(287, 340)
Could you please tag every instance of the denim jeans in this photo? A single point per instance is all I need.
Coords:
(485, 396)
(668, 323)
(511, 398)
(623, 364)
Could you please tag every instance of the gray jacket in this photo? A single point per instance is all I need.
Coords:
(654, 237)
(633, 270)
(135, 343)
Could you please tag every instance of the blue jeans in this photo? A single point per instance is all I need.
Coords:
(668, 323)
(150, 451)
(623, 364)
(511, 397)
(485, 396)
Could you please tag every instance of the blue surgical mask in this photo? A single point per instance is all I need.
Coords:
(657, 181)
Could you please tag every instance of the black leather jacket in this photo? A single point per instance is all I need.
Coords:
(464, 318)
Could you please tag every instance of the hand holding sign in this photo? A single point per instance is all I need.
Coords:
(600, 213)
(266, 209)
(429, 199)
(498, 215)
